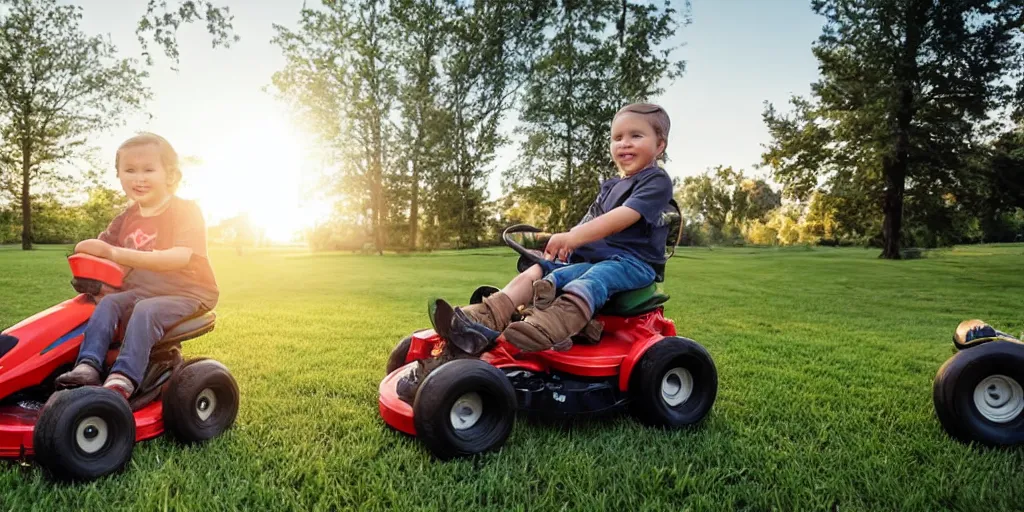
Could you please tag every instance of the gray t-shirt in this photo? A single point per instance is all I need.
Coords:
(647, 192)
(180, 225)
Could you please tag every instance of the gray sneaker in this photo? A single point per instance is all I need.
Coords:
(84, 374)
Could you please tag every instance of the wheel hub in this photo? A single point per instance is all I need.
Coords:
(466, 411)
(91, 434)
(676, 386)
(206, 403)
(999, 398)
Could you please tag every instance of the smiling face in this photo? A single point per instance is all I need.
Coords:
(634, 144)
(143, 176)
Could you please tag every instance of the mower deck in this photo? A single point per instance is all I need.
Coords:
(584, 380)
(17, 424)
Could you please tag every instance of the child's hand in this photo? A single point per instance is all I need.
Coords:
(560, 246)
(97, 248)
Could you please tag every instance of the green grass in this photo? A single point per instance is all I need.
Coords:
(825, 359)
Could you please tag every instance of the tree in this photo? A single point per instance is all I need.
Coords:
(1008, 168)
(161, 24)
(370, 99)
(706, 198)
(600, 55)
(238, 232)
(489, 51)
(58, 221)
(724, 200)
(906, 94)
(819, 220)
(995, 190)
(100, 207)
(10, 223)
(423, 24)
(57, 87)
(407, 98)
(753, 198)
(339, 78)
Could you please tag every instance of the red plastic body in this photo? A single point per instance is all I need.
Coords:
(47, 341)
(85, 266)
(17, 425)
(623, 342)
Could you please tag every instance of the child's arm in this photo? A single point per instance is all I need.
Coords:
(111, 233)
(189, 240)
(561, 245)
(651, 193)
(174, 258)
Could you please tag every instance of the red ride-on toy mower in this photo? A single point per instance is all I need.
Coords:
(88, 432)
(468, 405)
(977, 392)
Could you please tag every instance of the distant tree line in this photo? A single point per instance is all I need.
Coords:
(725, 207)
(912, 136)
(408, 99)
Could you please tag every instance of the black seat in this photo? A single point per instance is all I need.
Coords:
(191, 328)
(166, 356)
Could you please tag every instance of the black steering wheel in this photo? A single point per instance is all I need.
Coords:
(528, 241)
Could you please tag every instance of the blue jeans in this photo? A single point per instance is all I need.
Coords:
(596, 282)
(149, 318)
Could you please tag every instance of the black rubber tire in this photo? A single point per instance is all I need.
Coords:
(437, 396)
(481, 293)
(184, 399)
(398, 354)
(954, 387)
(56, 442)
(645, 390)
(524, 263)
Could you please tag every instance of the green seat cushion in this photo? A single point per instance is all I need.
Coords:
(635, 302)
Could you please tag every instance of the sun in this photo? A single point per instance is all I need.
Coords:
(259, 169)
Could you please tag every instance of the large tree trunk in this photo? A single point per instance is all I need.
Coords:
(895, 170)
(895, 165)
(26, 200)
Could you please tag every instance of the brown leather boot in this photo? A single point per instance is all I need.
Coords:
(551, 327)
(543, 294)
(495, 312)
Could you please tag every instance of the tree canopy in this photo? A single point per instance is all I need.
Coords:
(909, 92)
(60, 86)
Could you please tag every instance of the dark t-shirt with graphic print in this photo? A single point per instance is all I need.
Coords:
(647, 192)
(180, 225)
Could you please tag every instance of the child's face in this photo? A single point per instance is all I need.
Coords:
(143, 176)
(634, 144)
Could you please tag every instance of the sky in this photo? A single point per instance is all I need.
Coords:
(218, 106)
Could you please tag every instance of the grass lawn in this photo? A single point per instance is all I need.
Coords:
(825, 359)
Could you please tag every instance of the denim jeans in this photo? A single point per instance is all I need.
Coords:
(149, 318)
(596, 282)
